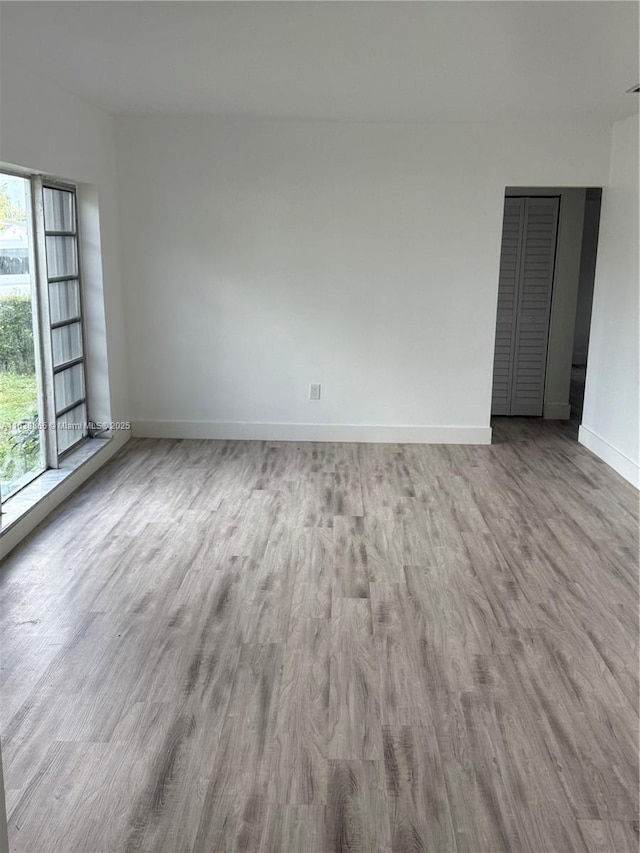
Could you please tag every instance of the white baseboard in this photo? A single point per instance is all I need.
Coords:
(364, 433)
(557, 411)
(619, 461)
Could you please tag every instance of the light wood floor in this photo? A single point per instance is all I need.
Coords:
(304, 648)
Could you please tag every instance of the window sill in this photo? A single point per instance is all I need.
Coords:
(15, 508)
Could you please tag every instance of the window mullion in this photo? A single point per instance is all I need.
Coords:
(37, 327)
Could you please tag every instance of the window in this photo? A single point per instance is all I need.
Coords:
(43, 405)
(22, 445)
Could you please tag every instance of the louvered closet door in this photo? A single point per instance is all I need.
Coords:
(507, 305)
(534, 305)
(524, 305)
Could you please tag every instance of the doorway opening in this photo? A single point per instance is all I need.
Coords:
(545, 296)
(584, 302)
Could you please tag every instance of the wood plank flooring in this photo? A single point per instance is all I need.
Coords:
(313, 648)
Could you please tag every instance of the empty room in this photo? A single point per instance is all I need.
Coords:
(319, 427)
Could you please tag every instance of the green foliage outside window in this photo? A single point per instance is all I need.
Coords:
(19, 448)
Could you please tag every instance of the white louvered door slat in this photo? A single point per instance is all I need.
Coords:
(534, 306)
(524, 305)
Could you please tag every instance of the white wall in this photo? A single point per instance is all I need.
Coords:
(43, 128)
(262, 256)
(610, 416)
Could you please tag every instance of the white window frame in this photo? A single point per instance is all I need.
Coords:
(43, 328)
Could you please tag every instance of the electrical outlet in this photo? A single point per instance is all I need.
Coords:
(314, 391)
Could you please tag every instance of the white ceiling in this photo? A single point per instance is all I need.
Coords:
(423, 61)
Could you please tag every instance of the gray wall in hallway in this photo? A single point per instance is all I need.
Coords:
(587, 276)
